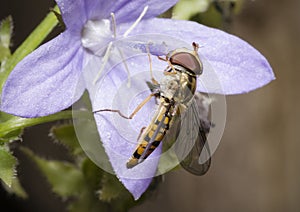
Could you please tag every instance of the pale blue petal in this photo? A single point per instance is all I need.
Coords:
(119, 135)
(136, 187)
(131, 10)
(73, 13)
(229, 62)
(99, 9)
(47, 80)
(125, 10)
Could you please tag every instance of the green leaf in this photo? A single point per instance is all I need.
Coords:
(92, 174)
(65, 134)
(6, 29)
(12, 136)
(7, 166)
(16, 188)
(5, 117)
(211, 17)
(111, 188)
(65, 178)
(4, 53)
(87, 201)
(185, 9)
(31, 42)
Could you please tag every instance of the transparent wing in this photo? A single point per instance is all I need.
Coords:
(191, 146)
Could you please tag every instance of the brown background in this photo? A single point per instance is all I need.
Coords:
(256, 166)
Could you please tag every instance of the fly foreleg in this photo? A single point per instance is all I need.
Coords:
(141, 132)
(170, 65)
(154, 81)
(134, 112)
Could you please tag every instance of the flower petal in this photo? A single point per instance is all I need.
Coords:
(119, 135)
(100, 9)
(136, 187)
(73, 13)
(124, 10)
(238, 66)
(131, 10)
(47, 80)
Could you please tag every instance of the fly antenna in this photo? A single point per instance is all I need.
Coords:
(196, 46)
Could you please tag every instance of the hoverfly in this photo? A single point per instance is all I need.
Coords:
(177, 97)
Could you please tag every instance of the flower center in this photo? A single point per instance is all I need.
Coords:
(96, 34)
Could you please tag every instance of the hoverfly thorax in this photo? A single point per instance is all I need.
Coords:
(187, 65)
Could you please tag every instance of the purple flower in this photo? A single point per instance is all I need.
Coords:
(231, 66)
(49, 79)
(55, 75)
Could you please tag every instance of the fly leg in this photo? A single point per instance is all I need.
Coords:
(154, 85)
(141, 132)
(134, 112)
(170, 65)
(154, 81)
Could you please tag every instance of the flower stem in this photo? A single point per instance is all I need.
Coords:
(16, 123)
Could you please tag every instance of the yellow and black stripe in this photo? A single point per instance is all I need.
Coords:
(148, 143)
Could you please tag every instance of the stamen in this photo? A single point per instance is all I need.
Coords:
(104, 61)
(136, 22)
(108, 50)
(114, 25)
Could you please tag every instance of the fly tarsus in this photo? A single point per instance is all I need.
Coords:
(115, 111)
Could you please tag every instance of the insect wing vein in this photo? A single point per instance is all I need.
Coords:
(191, 147)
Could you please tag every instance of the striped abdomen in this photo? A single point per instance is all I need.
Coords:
(152, 135)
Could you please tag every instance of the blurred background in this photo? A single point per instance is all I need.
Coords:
(257, 164)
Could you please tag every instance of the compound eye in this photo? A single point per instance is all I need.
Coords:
(187, 60)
